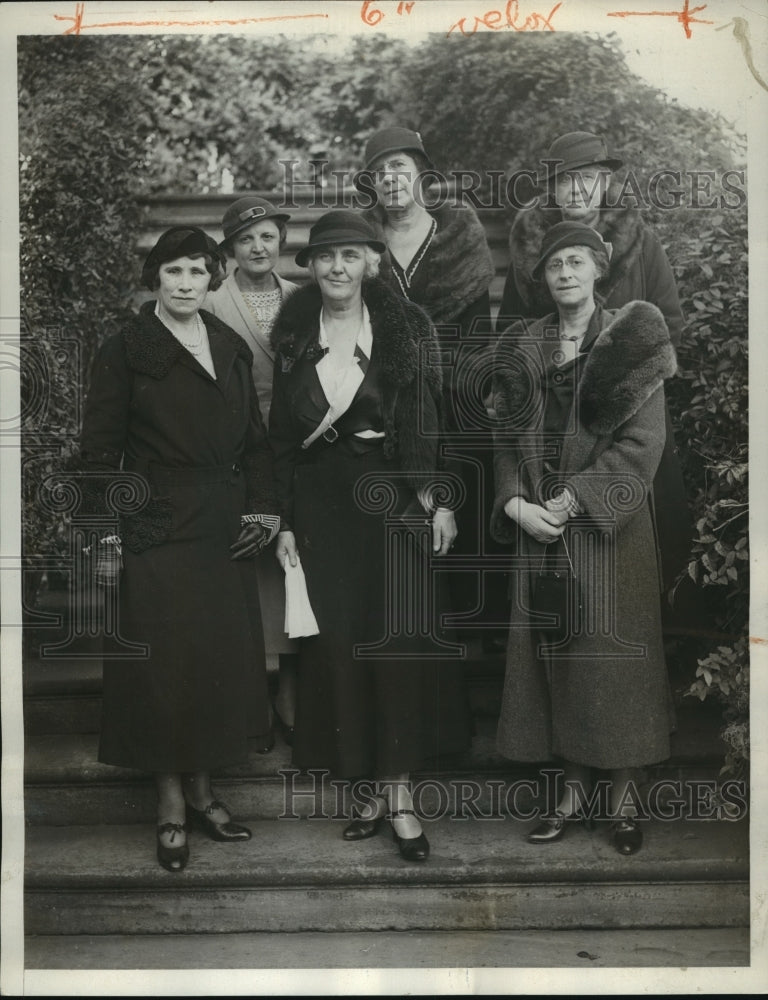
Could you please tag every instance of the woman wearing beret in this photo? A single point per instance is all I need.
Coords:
(579, 401)
(354, 428)
(439, 258)
(248, 300)
(578, 184)
(171, 400)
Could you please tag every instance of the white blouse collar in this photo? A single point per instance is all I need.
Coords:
(364, 337)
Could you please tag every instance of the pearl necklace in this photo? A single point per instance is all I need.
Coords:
(195, 348)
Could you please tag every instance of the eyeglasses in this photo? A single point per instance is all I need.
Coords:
(555, 264)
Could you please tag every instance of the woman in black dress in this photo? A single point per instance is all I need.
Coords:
(171, 399)
(354, 421)
(437, 255)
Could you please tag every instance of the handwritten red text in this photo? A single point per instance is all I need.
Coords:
(507, 19)
(684, 16)
(373, 15)
(78, 21)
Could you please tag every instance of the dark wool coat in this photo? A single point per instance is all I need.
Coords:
(389, 712)
(451, 283)
(602, 698)
(639, 270)
(410, 388)
(200, 445)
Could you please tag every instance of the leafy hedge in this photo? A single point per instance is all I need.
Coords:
(104, 120)
(78, 183)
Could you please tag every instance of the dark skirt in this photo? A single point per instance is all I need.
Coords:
(200, 691)
(364, 711)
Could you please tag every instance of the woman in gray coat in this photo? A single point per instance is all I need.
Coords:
(579, 401)
(248, 300)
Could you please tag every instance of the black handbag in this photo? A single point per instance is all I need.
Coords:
(555, 593)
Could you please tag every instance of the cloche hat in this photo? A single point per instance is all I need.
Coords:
(178, 241)
(334, 228)
(573, 150)
(244, 212)
(388, 140)
(568, 234)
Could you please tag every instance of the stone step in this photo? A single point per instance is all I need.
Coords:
(574, 949)
(299, 875)
(66, 784)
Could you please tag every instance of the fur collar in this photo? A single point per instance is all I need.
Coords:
(621, 227)
(629, 360)
(397, 324)
(151, 348)
(458, 268)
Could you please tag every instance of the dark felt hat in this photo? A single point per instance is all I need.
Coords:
(335, 228)
(178, 241)
(568, 234)
(244, 212)
(389, 140)
(574, 150)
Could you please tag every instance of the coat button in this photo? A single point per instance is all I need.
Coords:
(236, 469)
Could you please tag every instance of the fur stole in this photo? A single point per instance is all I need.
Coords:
(151, 348)
(621, 227)
(630, 358)
(398, 326)
(457, 269)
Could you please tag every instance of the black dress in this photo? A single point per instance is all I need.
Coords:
(361, 710)
(449, 277)
(190, 702)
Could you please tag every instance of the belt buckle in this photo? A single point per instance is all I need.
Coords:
(330, 430)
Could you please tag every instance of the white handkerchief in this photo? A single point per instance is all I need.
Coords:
(299, 618)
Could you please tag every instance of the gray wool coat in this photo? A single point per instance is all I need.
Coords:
(600, 698)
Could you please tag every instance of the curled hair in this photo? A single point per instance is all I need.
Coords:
(601, 262)
(212, 266)
(372, 261)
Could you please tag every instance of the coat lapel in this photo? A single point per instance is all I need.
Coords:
(256, 336)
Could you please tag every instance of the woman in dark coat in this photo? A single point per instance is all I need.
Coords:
(354, 427)
(579, 184)
(439, 258)
(249, 300)
(579, 401)
(171, 399)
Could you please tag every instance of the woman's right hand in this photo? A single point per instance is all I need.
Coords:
(543, 525)
(286, 548)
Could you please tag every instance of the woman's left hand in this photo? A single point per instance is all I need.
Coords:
(250, 541)
(444, 531)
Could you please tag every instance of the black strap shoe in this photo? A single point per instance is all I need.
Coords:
(226, 832)
(173, 859)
